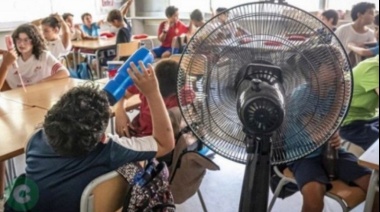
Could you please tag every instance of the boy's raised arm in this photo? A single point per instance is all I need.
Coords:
(147, 83)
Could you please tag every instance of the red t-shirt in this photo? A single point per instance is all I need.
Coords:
(143, 122)
(177, 29)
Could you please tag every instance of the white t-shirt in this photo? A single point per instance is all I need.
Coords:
(57, 49)
(347, 34)
(33, 71)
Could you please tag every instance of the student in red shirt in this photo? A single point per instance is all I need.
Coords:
(167, 75)
(167, 31)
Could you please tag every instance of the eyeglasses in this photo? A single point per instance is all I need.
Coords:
(26, 40)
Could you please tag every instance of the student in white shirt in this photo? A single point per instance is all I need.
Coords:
(35, 63)
(51, 27)
(358, 32)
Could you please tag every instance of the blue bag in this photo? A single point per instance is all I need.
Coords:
(83, 71)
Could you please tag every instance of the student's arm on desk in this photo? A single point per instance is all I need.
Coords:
(56, 69)
(360, 51)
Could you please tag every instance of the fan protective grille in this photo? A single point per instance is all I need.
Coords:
(316, 74)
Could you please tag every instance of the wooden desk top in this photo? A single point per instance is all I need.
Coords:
(94, 44)
(43, 95)
(102, 43)
(9, 106)
(370, 158)
(16, 127)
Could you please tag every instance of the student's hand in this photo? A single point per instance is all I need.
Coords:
(167, 26)
(129, 3)
(335, 141)
(145, 80)
(101, 22)
(58, 17)
(2, 51)
(9, 58)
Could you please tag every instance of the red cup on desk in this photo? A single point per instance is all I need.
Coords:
(113, 66)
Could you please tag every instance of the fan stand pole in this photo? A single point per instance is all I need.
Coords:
(255, 191)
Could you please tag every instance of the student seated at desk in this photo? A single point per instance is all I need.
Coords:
(310, 172)
(330, 18)
(51, 27)
(363, 15)
(361, 125)
(367, 52)
(35, 63)
(75, 29)
(91, 30)
(117, 19)
(167, 30)
(167, 75)
(228, 29)
(72, 149)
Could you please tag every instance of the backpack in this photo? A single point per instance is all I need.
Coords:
(187, 166)
(83, 71)
(149, 188)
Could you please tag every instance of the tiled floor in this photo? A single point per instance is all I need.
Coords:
(221, 192)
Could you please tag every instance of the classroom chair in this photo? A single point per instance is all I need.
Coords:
(106, 193)
(126, 49)
(198, 63)
(187, 167)
(347, 196)
(179, 43)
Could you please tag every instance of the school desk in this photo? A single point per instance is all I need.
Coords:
(16, 127)
(43, 95)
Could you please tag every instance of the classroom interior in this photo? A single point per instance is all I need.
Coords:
(219, 190)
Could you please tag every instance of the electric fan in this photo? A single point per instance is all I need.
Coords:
(269, 90)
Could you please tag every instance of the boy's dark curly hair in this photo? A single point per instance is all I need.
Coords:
(167, 76)
(77, 122)
(33, 33)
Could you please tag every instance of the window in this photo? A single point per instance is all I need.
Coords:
(204, 5)
(347, 4)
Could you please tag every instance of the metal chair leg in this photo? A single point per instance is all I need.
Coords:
(202, 201)
(279, 188)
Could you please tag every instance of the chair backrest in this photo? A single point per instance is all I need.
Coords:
(198, 63)
(127, 49)
(106, 193)
(187, 167)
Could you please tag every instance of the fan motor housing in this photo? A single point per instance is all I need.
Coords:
(260, 107)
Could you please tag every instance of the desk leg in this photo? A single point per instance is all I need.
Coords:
(112, 125)
(98, 69)
(371, 194)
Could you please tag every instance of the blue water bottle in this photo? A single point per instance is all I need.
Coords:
(115, 88)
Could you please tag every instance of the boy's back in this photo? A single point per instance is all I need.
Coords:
(61, 180)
